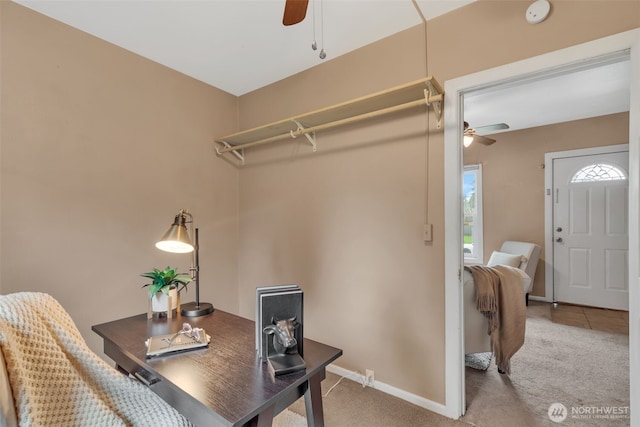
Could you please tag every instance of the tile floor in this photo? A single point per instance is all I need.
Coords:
(599, 319)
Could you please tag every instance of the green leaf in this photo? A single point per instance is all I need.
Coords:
(163, 280)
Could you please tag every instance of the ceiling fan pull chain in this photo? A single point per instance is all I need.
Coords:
(314, 45)
(322, 52)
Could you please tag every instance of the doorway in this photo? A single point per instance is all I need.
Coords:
(454, 94)
(588, 236)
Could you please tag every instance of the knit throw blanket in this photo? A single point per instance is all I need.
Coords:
(500, 298)
(56, 380)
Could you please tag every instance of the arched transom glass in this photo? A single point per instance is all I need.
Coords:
(599, 172)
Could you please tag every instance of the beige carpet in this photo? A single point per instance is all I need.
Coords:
(288, 418)
(585, 370)
(351, 405)
(580, 368)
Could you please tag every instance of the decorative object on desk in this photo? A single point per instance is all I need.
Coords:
(177, 240)
(277, 302)
(264, 290)
(162, 304)
(187, 338)
(164, 289)
(283, 331)
(285, 359)
(279, 312)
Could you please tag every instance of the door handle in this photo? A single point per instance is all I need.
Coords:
(559, 229)
(559, 240)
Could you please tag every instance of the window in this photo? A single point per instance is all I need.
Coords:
(599, 172)
(472, 202)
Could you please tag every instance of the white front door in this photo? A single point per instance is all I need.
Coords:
(590, 230)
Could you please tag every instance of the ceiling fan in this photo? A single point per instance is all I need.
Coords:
(294, 11)
(471, 134)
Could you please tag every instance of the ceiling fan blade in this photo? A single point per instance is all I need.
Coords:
(483, 140)
(294, 11)
(492, 128)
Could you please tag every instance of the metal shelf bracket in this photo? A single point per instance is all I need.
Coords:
(228, 147)
(301, 130)
(434, 98)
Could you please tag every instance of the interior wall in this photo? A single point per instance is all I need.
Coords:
(346, 223)
(100, 149)
(94, 140)
(513, 178)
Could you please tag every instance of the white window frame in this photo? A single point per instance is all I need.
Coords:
(477, 256)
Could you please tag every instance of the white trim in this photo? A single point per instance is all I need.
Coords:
(634, 236)
(427, 404)
(453, 256)
(549, 295)
(454, 92)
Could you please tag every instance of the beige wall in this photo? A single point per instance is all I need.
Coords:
(513, 177)
(100, 148)
(85, 126)
(346, 222)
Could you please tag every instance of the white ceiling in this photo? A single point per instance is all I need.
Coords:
(590, 91)
(241, 45)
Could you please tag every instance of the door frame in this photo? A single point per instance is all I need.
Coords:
(455, 404)
(549, 287)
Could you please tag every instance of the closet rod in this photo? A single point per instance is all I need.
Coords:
(296, 133)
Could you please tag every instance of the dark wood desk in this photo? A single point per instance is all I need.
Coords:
(224, 384)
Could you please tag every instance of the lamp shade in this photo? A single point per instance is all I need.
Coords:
(467, 140)
(176, 239)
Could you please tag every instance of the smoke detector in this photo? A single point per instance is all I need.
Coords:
(538, 11)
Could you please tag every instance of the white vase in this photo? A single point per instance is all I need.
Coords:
(160, 301)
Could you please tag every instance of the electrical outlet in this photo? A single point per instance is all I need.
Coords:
(369, 377)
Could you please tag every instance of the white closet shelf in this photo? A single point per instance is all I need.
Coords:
(426, 91)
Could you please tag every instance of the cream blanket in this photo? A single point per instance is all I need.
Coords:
(56, 380)
(500, 298)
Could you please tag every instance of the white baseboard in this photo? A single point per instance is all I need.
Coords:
(430, 405)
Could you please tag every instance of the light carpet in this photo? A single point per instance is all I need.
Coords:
(586, 371)
(287, 418)
(580, 368)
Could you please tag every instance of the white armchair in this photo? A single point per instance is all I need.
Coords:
(530, 253)
(522, 255)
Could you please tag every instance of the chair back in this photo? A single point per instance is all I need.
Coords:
(530, 252)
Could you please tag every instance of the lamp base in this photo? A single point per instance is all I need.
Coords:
(190, 309)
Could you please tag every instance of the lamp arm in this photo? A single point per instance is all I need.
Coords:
(194, 269)
(184, 212)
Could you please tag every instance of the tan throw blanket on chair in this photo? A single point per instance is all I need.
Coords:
(500, 298)
(56, 380)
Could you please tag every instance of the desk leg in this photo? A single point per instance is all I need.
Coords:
(265, 418)
(313, 401)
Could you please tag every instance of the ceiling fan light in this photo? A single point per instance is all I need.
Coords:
(467, 140)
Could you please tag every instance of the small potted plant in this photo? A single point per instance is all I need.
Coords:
(164, 283)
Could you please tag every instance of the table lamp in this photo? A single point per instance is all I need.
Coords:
(177, 240)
